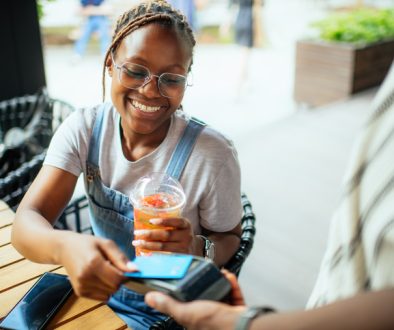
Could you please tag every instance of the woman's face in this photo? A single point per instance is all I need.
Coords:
(161, 50)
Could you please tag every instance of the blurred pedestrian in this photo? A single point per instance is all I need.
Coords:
(96, 14)
(245, 16)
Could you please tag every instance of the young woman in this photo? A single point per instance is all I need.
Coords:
(143, 130)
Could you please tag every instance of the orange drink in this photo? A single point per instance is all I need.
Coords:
(157, 195)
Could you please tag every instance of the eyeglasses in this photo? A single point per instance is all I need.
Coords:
(135, 76)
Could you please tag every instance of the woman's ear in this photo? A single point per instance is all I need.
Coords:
(109, 66)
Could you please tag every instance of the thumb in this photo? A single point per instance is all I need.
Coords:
(162, 303)
(116, 256)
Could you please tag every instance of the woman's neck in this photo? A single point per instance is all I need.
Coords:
(136, 146)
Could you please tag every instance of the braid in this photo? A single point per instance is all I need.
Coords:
(156, 11)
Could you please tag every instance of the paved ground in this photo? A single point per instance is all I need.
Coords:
(292, 160)
(292, 170)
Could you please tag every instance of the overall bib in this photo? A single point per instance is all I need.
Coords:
(111, 216)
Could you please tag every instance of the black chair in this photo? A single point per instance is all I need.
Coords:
(14, 186)
(234, 265)
(22, 136)
(247, 237)
(73, 217)
(27, 124)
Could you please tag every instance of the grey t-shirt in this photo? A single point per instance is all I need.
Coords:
(211, 178)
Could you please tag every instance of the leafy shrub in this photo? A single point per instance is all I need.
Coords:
(40, 8)
(357, 26)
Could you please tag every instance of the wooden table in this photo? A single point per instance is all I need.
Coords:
(17, 275)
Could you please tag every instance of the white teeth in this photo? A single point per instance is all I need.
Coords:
(145, 108)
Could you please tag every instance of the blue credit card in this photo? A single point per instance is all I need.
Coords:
(161, 266)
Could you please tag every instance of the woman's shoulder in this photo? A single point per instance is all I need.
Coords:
(214, 142)
(85, 117)
(210, 139)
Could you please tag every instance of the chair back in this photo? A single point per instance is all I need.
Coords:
(27, 124)
(247, 237)
(14, 186)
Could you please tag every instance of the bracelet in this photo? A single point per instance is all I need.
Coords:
(208, 249)
(250, 314)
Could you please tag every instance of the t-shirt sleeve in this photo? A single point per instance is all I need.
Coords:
(68, 147)
(221, 208)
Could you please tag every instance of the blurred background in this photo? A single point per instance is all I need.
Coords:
(292, 117)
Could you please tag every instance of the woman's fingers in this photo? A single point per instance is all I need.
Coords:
(164, 240)
(163, 235)
(180, 231)
(162, 246)
(196, 315)
(177, 239)
(236, 293)
(111, 252)
(93, 288)
(109, 275)
(178, 223)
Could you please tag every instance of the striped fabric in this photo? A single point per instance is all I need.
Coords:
(360, 252)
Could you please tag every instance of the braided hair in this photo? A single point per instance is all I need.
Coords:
(146, 12)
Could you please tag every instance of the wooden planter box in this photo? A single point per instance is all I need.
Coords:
(327, 72)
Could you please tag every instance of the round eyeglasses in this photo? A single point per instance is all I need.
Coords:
(134, 76)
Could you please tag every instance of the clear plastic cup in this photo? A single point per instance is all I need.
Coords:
(156, 195)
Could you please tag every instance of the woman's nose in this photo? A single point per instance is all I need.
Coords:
(151, 87)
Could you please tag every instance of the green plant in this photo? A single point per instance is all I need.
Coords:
(357, 26)
(40, 7)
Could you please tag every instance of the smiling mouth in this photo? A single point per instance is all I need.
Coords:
(143, 107)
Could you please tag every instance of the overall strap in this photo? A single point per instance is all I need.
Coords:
(95, 140)
(184, 148)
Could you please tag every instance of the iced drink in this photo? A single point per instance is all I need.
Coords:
(156, 196)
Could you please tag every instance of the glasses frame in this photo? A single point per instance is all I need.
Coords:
(148, 79)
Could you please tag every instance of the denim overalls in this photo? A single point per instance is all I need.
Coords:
(111, 216)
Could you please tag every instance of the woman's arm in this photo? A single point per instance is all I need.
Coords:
(372, 310)
(369, 311)
(32, 231)
(95, 265)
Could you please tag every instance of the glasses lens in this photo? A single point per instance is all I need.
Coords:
(171, 84)
(133, 75)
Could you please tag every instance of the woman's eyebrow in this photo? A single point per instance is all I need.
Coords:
(143, 62)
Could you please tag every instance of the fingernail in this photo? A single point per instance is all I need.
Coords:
(137, 242)
(158, 298)
(155, 221)
(132, 266)
(141, 232)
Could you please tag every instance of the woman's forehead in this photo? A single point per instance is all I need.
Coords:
(155, 39)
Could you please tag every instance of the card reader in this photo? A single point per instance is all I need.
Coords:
(203, 280)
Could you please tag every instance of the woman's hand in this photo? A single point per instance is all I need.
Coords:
(236, 297)
(95, 265)
(196, 315)
(202, 314)
(180, 238)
